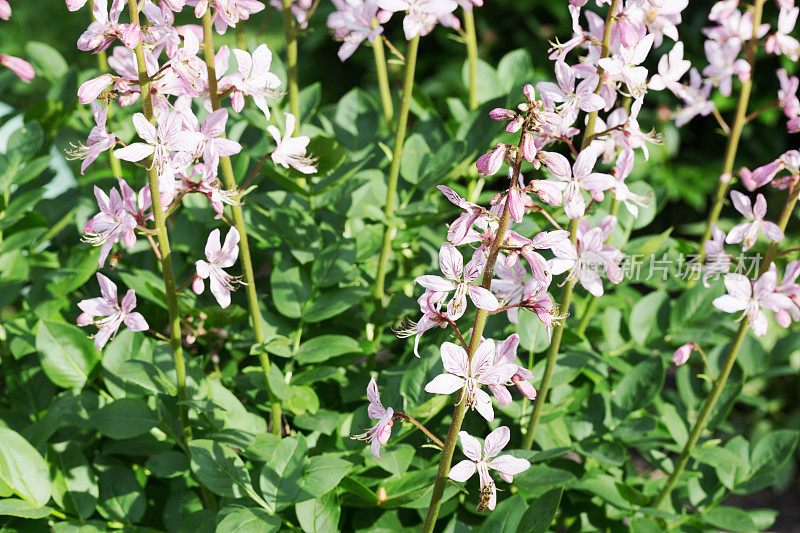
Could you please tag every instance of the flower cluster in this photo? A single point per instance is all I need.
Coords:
(185, 140)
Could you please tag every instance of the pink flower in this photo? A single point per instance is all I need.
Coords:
(622, 193)
(74, 5)
(253, 79)
(352, 24)
(379, 433)
(460, 373)
(213, 144)
(489, 163)
(591, 255)
(625, 65)
(218, 257)
(579, 177)
(782, 41)
(747, 232)
(451, 262)
(695, 98)
(106, 28)
(21, 68)
(291, 151)
(723, 64)
(671, 68)
(115, 222)
(99, 139)
(511, 285)
(787, 94)
(167, 138)
(5, 10)
(210, 186)
(682, 354)
(565, 92)
(506, 353)
(421, 15)
(471, 212)
(791, 289)
(717, 261)
(113, 314)
(430, 304)
(481, 460)
(190, 70)
(752, 298)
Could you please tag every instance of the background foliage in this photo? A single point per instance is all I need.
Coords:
(89, 442)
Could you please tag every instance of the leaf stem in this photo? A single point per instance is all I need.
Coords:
(290, 30)
(735, 132)
(566, 295)
(163, 241)
(434, 438)
(727, 365)
(383, 78)
(394, 172)
(446, 458)
(238, 219)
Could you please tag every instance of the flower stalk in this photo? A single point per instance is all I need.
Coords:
(229, 181)
(162, 238)
(383, 78)
(735, 131)
(472, 57)
(566, 295)
(290, 30)
(727, 366)
(478, 326)
(394, 172)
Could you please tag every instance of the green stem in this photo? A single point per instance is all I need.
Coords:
(290, 31)
(446, 458)
(394, 172)
(229, 181)
(730, 359)
(163, 241)
(472, 56)
(736, 131)
(566, 296)
(383, 78)
(102, 65)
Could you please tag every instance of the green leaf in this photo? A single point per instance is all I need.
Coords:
(325, 347)
(290, 291)
(334, 302)
(246, 520)
(773, 450)
(125, 419)
(729, 519)
(322, 473)
(643, 315)
(281, 475)
(75, 487)
(329, 153)
(541, 512)
(66, 354)
(334, 264)
(415, 151)
(22, 469)
(320, 515)
(488, 83)
(121, 497)
(23, 509)
(356, 120)
(48, 60)
(640, 385)
(303, 400)
(357, 488)
(395, 459)
(717, 456)
(506, 517)
(221, 470)
(168, 464)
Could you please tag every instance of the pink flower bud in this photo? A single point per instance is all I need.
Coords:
(528, 147)
(84, 319)
(197, 285)
(524, 386)
(5, 10)
(793, 125)
(515, 125)
(515, 206)
(489, 164)
(500, 113)
(761, 176)
(90, 90)
(20, 67)
(529, 92)
(682, 354)
(384, 16)
(130, 36)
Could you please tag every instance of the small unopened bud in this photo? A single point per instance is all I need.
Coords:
(515, 206)
(84, 319)
(528, 147)
(198, 285)
(5, 10)
(89, 90)
(500, 113)
(682, 354)
(20, 67)
(523, 108)
(524, 386)
(382, 496)
(515, 125)
(529, 92)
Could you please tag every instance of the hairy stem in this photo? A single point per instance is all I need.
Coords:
(566, 295)
(422, 428)
(383, 78)
(446, 458)
(727, 366)
(163, 241)
(238, 219)
(735, 132)
(290, 30)
(472, 56)
(394, 172)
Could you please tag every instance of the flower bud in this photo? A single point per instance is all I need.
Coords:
(489, 164)
(197, 285)
(84, 319)
(528, 147)
(515, 125)
(5, 10)
(515, 206)
(130, 36)
(90, 90)
(524, 386)
(20, 67)
(682, 354)
(500, 113)
(530, 93)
